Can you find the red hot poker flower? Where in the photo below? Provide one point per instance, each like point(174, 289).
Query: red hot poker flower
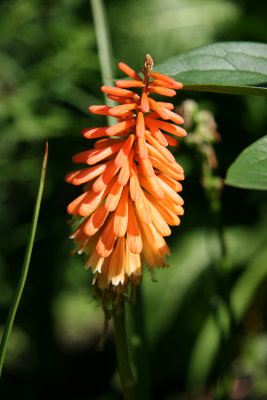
point(130, 187)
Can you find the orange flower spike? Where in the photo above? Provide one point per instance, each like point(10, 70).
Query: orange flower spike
point(124, 151)
point(145, 108)
point(130, 189)
point(152, 185)
point(120, 99)
point(157, 107)
point(95, 262)
point(134, 184)
point(125, 171)
point(93, 156)
point(119, 92)
point(170, 140)
point(157, 75)
point(142, 147)
point(101, 110)
point(168, 106)
point(161, 83)
point(96, 220)
point(128, 84)
point(160, 154)
point(113, 196)
point(172, 170)
point(73, 207)
point(162, 90)
point(134, 239)
point(129, 71)
point(121, 214)
point(121, 109)
point(140, 125)
point(175, 185)
point(142, 209)
point(156, 132)
point(158, 221)
point(167, 80)
point(94, 133)
point(161, 149)
point(146, 166)
point(84, 175)
point(133, 266)
point(91, 202)
point(107, 239)
point(116, 271)
point(106, 177)
point(148, 64)
point(101, 143)
point(174, 117)
point(171, 128)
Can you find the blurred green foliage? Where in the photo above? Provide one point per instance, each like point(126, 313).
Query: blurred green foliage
point(49, 76)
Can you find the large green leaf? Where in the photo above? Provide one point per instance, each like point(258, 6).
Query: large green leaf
point(249, 170)
point(228, 67)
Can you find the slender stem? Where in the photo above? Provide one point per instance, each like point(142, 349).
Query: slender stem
point(126, 376)
point(104, 47)
point(139, 346)
point(25, 266)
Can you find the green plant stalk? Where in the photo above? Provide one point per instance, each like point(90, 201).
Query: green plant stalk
point(25, 266)
point(104, 47)
point(139, 349)
point(126, 376)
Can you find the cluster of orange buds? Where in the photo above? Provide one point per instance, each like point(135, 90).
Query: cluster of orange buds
point(130, 187)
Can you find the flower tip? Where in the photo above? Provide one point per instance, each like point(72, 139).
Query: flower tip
point(182, 132)
point(178, 85)
point(148, 62)
point(121, 65)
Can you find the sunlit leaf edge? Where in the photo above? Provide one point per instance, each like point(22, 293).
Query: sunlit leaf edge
point(225, 67)
point(228, 89)
point(233, 177)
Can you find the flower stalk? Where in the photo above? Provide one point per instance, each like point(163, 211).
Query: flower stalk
point(139, 346)
point(126, 375)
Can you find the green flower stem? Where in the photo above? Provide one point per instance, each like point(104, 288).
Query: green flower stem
point(104, 47)
point(25, 266)
point(139, 349)
point(126, 376)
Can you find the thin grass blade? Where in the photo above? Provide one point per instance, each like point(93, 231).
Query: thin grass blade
point(25, 266)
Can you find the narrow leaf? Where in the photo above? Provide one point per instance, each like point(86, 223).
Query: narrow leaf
point(249, 170)
point(25, 267)
point(227, 67)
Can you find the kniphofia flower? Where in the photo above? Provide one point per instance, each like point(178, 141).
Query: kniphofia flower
point(130, 194)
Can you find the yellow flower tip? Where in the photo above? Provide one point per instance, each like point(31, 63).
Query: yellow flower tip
point(130, 184)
